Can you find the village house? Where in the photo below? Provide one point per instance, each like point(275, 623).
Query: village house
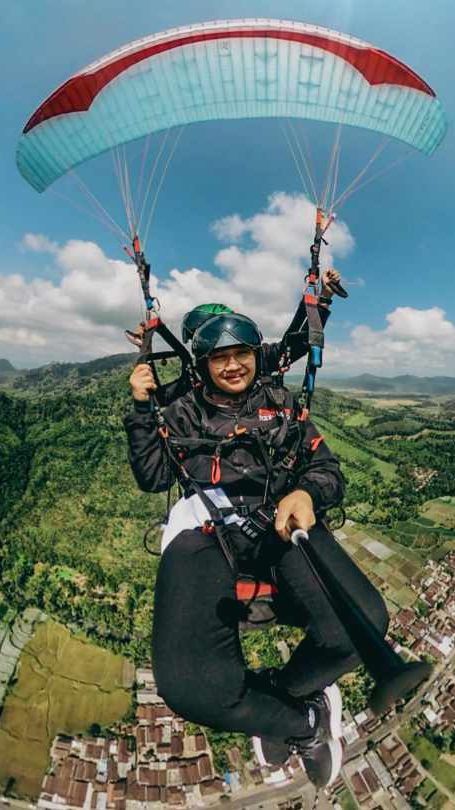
point(150, 761)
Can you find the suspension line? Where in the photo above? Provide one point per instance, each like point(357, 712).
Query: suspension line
point(160, 184)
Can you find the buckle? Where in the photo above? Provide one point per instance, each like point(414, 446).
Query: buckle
point(289, 461)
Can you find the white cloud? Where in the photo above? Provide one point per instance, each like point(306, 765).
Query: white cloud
point(21, 337)
point(268, 270)
point(417, 341)
point(261, 272)
point(230, 228)
point(286, 227)
point(39, 243)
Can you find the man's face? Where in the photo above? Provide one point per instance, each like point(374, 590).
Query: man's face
point(232, 369)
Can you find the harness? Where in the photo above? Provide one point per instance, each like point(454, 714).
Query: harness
point(278, 449)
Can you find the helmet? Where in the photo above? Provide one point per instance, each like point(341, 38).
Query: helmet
point(196, 317)
point(225, 330)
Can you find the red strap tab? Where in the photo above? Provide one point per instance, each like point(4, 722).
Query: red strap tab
point(239, 430)
point(153, 323)
point(310, 299)
point(247, 590)
point(216, 470)
point(314, 444)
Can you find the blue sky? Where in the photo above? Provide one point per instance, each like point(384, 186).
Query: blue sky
point(65, 292)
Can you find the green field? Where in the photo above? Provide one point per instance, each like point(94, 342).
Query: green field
point(431, 797)
point(347, 451)
point(393, 574)
point(346, 800)
point(440, 512)
point(64, 685)
point(430, 758)
point(431, 533)
point(358, 419)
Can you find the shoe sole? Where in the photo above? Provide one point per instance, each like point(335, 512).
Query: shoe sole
point(336, 752)
point(257, 748)
point(334, 702)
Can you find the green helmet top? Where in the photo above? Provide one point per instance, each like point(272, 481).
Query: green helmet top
point(197, 316)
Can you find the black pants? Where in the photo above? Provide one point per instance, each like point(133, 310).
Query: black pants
point(197, 658)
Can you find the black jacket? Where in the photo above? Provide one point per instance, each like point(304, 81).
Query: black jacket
point(200, 437)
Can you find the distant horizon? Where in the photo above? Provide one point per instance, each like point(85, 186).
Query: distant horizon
point(322, 373)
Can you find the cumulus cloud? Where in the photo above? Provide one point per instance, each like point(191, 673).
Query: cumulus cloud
point(417, 341)
point(265, 265)
point(260, 271)
point(286, 227)
point(355, 282)
point(231, 228)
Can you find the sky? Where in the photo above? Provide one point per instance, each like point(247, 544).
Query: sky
point(232, 222)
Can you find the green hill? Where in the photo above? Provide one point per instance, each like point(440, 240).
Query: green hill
point(72, 518)
point(401, 384)
point(7, 372)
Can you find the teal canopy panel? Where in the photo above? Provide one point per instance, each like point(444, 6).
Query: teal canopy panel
point(227, 70)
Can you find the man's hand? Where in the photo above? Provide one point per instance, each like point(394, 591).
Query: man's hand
point(142, 382)
point(295, 511)
point(329, 275)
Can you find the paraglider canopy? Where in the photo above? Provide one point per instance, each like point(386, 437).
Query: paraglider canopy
point(227, 70)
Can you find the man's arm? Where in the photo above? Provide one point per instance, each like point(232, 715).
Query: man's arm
point(321, 477)
point(146, 452)
point(319, 487)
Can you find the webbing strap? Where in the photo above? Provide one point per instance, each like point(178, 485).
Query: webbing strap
point(315, 328)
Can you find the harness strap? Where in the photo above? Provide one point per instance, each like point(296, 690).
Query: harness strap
point(275, 483)
point(217, 520)
point(288, 462)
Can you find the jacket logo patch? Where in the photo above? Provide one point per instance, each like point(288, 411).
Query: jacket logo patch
point(267, 414)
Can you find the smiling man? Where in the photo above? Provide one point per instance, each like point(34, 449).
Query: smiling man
point(252, 469)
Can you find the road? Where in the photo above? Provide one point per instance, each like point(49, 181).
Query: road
point(269, 798)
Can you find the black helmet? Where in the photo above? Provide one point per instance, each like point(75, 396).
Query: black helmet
point(225, 330)
point(197, 316)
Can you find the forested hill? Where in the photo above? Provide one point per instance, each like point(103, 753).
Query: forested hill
point(72, 518)
point(46, 377)
point(7, 371)
point(402, 384)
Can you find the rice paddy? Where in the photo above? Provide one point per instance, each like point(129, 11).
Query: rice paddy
point(64, 685)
